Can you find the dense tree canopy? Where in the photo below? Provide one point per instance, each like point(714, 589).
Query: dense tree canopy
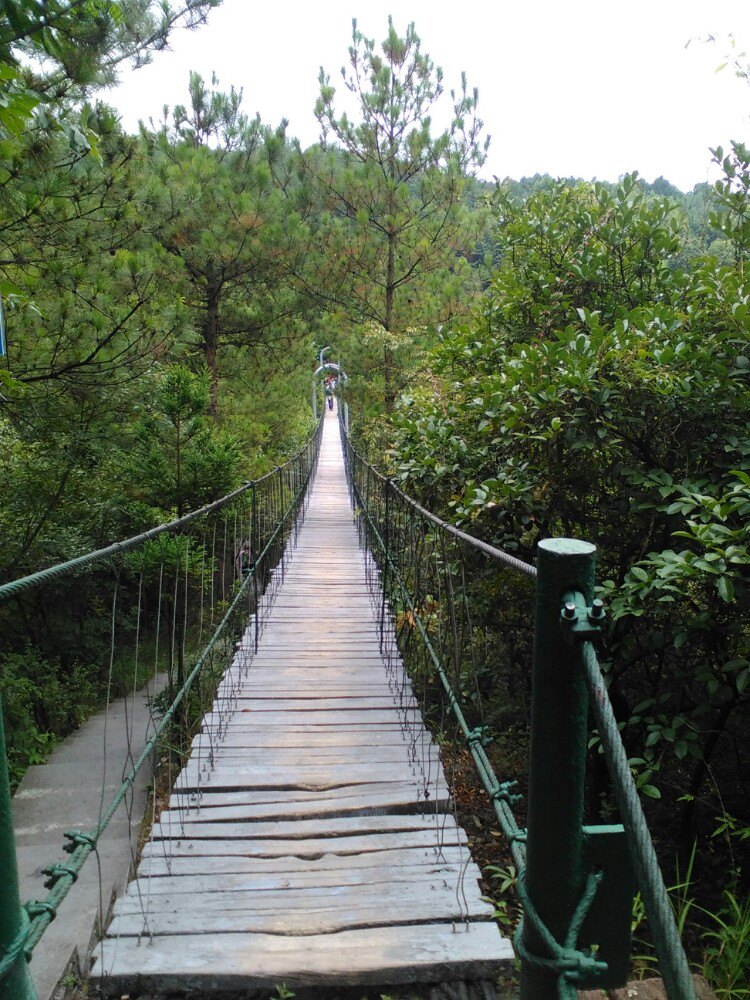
point(221, 203)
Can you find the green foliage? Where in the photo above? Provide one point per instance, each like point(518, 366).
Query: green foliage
point(724, 934)
point(81, 44)
point(183, 459)
point(726, 964)
point(572, 247)
point(732, 217)
point(222, 203)
point(394, 232)
point(601, 392)
point(41, 701)
point(282, 993)
point(683, 907)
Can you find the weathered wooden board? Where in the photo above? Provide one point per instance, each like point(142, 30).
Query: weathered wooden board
point(310, 838)
point(376, 753)
point(300, 921)
point(343, 703)
point(307, 739)
point(304, 848)
point(387, 956)
point(325, 757)
point(243, 896)
point(159, 864)
point(297, 776)
point(262, 882)
point(314, 716)
point(206, 827)
point(401, 799)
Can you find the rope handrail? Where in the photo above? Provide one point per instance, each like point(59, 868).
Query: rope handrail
point(14, 587)
point(491, 550)
point(669, 950)
point(43, 912)
point(558, 955)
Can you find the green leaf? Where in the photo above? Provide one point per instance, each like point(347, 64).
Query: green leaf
point(651, 791)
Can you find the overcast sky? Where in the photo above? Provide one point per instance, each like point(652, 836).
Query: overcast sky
point(588, 88)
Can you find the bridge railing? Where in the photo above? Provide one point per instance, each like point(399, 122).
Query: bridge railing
point(437, 588)
point(169, 604)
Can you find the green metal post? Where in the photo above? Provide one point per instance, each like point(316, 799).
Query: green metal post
point(559, 708)
point(17, 981)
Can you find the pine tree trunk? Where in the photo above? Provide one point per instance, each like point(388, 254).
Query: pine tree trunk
point(389, 389)
point(210, 345)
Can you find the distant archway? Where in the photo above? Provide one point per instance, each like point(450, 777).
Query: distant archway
point(322, 369)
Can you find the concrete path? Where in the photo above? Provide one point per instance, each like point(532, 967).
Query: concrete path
point(66, 794)
point(310, 839)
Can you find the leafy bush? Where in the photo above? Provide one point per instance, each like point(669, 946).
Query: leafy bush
point(602, 393)
point(41, 702)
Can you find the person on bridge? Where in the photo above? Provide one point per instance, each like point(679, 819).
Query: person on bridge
point(330, 401)
point(245, 560)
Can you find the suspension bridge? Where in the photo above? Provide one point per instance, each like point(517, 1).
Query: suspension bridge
point(309, 840)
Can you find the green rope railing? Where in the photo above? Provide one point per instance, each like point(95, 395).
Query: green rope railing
point(36, 915)
point(71, 566)
point(672, 961)
point(547, 958)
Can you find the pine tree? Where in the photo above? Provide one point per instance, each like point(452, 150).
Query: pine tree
point(396, 232)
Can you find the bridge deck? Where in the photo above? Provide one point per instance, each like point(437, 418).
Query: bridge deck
point(308, 854)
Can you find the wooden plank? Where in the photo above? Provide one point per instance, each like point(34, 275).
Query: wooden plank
point(238, 896)
point(301, 921)
point(387, 956)
point(294, 738)
point(242, 716)
point(248, 703)
point(300, 683)
point(209, 797)
point(390, 720)
point(207, 827)
point(261, 882)
point(253, 805)
point(288, 777)
point(158, 864)
point(409, 733)
point(260, 673)
point(376, 753)
point(325, 757)
point(310, 848)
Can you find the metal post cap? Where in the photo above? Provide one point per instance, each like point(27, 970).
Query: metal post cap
point(567, 547)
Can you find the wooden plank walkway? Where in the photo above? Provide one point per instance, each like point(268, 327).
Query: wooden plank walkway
point(308, 853)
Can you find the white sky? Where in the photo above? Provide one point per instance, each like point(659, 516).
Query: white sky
point(589, 88)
